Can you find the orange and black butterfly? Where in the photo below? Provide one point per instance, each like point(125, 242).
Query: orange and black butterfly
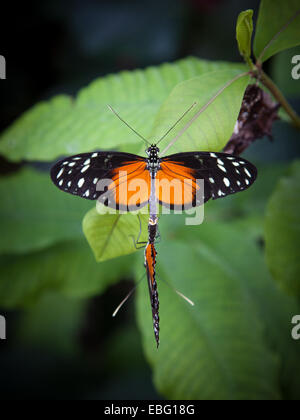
point(110, 177)
point(222, 174)
point(113, 177)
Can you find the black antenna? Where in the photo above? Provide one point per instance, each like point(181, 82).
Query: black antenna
point(170, 129)
point(138, 134)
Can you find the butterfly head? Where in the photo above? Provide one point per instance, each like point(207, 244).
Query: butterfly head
point(153, 158)
point(152, 151)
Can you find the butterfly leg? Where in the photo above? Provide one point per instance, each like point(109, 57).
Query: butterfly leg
point(137, 243)
point(158, 237)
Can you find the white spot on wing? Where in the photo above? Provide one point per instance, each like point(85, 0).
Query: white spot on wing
point(85, 168)
point(213, 155)
point(220, 162)
point(61, 182)
point(226, 182)
point(80, 182)
point(247, 172)
point(212, 180)
point(72, 164)
point(60, 173)
point(236, 163)
point(94, 155)
point(87, 162)
point(222, 168)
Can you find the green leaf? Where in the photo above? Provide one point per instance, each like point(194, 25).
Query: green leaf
point(35, 214)
point(217, 349)
point(65, 126)
point(244, 30)
point(113, 235)
point(52, 330)
point(277, 28)
point(213, 127)
point(282, 231)
point(69, 268)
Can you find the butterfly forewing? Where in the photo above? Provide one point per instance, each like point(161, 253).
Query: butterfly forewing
point(222, 174)
point(123, 181)
point(94, 175)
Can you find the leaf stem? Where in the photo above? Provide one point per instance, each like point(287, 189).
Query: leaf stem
point(266, 81)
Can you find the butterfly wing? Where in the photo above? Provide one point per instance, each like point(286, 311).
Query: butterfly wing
point(222, 174)
point(107, 176)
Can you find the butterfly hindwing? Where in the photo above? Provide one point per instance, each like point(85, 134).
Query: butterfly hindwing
point(222, 174)
point(97, 175)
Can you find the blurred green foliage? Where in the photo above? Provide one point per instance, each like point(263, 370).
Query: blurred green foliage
point(282, 227)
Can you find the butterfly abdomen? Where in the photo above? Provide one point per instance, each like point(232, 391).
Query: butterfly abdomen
point(155, 311)
point(150, 263)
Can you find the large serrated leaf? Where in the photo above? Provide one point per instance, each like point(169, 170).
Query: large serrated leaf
point(34, 214)
point(235, 342)
point(216, 349)
point(65, 126)
point(282, 230)
point(211, 129)
point(277, 28)
point(113, 235)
